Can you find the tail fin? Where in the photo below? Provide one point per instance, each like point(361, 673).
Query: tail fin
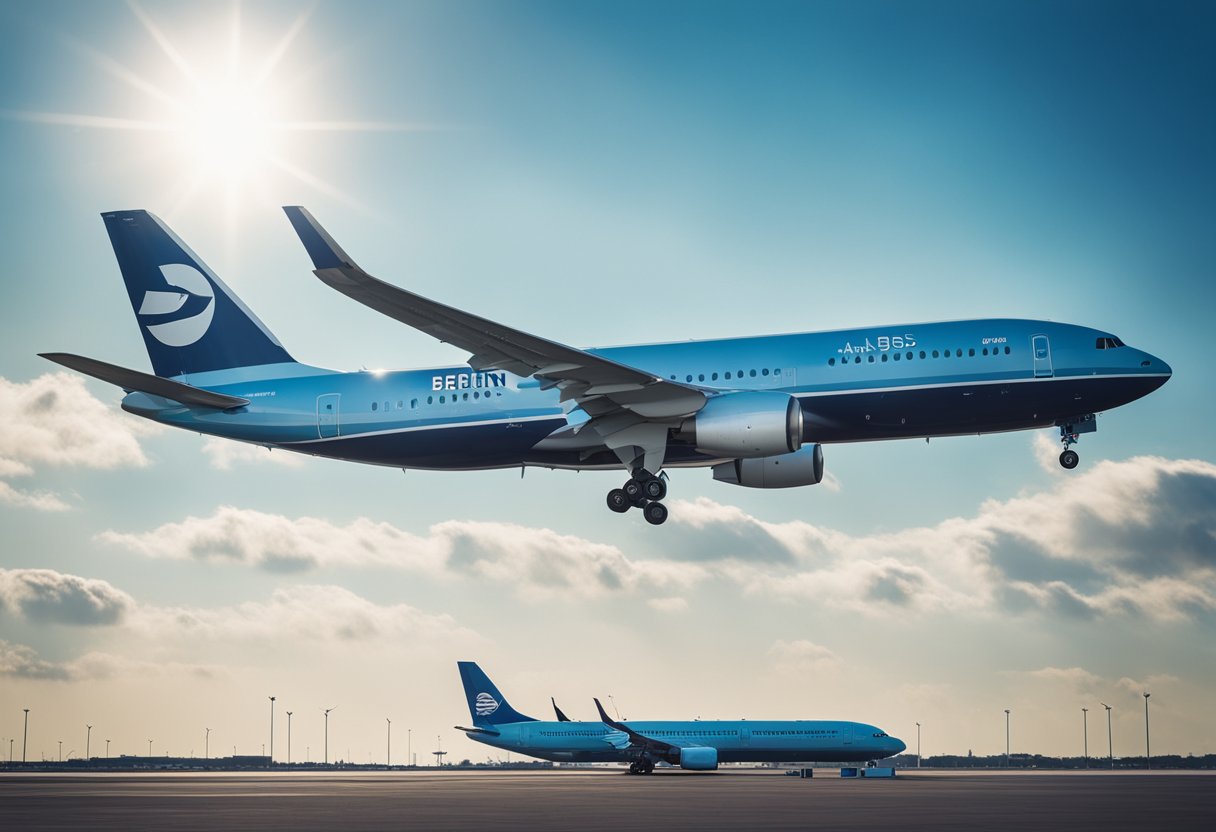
point(191, 321)
point(487, 705)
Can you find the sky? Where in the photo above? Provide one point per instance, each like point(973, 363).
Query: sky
point(608, 173)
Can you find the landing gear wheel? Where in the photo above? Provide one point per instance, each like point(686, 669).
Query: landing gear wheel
point(654, 489)
point(1069, 459)
point(619, 501)
point(655, 514)
point(648, 767)
point(635, 768)
point(633, 490)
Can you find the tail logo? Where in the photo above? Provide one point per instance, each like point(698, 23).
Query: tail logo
point(485, 704)
point(178, 319)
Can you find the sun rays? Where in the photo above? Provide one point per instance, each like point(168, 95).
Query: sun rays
point(229, 118)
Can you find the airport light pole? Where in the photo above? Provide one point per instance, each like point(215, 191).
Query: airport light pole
point(87, 737)
point(25, 734)
point(61, 751)
point(10, 750)
point(149, 748)
point(272, 730)
point(409, 746)
point(207, 744)
point(107, 749)
point(1006, 738)
point(327, 710)
point(1148, 754)
point(1085, 733)
point(289, 738)
point(918, 745)
point(1110, 742)
point(388, 751)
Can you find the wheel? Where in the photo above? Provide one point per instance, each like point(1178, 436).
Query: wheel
point(648, 767)
point(634, 768)
point(1069, 459)
point(655, 489)
point(633, 490)
point(619, 501)
point(655, 513)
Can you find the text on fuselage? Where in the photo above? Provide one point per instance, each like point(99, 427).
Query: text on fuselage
point(464, 381)
point(880, 343)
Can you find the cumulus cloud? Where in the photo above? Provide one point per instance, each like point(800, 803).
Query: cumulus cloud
point(49, 597)
point(1134, 537)
point(802, 657)
point(537, 562)
point(54, 420)
point(17, 661)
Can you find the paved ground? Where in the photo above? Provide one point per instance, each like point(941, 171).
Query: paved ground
point(599, 799)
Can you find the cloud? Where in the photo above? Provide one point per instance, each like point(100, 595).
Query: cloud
point(224, 453)
point(537, 562)
point(1136, 537)
point(671, 605)
point(17, 661)
point(802, 658)
point(54, 420)
point(49, 597)
point(313, 613)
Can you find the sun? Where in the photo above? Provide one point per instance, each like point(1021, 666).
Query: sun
point(229, 127)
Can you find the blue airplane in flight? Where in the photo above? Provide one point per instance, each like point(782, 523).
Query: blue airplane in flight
point(699, 745)
point(756, 410)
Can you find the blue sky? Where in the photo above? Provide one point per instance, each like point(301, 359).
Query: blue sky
point(603, 174)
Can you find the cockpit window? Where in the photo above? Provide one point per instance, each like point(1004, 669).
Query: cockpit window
point(1108, 343)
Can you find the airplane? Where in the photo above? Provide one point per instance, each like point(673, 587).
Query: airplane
point(696, 745)
point(757, 411)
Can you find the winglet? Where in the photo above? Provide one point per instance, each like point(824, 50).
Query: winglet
point(604, 718)
point(325, 253)
point(561, 717)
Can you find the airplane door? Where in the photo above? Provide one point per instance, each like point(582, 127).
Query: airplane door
point(327, 415)
point(847, 737)
point(1040, 348)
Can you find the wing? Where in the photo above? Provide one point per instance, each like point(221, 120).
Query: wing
point(622, 737)
point(561, 717)
point(630, 409)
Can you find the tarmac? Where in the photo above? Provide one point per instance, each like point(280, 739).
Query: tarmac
point(607, 799)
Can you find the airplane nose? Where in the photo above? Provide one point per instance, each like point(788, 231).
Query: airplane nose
point(900, 746)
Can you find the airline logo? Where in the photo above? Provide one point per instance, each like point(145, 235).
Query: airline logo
point(485, 704)
point(178, 319)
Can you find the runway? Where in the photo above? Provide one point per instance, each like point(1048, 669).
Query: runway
point(609, 800)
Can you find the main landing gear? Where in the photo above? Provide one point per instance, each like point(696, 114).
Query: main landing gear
point(643, 490)
point(643, 766)
point(1068, 458)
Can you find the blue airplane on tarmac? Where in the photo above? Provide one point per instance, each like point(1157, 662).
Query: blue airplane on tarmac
point(699, 745)
point(757, 410)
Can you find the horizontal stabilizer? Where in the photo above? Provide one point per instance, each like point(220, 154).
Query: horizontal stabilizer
point(487, 731)
point(145, 383)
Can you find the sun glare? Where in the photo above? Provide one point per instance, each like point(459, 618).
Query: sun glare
point(228, 132)
point(227, 124)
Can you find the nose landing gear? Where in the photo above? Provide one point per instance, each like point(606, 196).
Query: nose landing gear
point(643, 490)
point(1070, 429)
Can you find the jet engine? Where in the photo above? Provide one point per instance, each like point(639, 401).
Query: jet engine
point(803, 467)
point(699, 758)
point(747, 424)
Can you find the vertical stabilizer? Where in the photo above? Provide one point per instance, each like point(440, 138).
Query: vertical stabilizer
point(487, 705)
point(191, 322)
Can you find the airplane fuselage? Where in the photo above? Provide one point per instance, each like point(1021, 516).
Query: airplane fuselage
point(737, 741)
point(889, 382)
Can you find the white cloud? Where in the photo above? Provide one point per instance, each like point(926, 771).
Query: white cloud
point(49, 597)
point(17, 661)
point(54, 420)
point(802, 658)
point(670, 605)
point(537, 562)
point(224, 453)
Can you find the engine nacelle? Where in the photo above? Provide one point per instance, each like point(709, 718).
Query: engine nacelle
point(747, 424)
point(803, 467)
point(699, 758)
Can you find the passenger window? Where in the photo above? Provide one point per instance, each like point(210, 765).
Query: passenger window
point(764, 372)
point(958, 353)
point(971, 353)
point(413, 404)
point(909, 355)
point(373, 406)
point(752, 374)
point(922, 353)
point(831, 363)
point(400, 404)
point(430, 399)
point(871, 358)
point(714, 377)
point(935, 353)
point(728, 373)
point(898, 356)
point(857, 360)
point(701, 377)
point(884, 357)
point(476, 394)
point(442, 400)
point(466, 397)
point(1006, 350)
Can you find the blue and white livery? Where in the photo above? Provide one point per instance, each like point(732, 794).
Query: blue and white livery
point(699, 745)
point(757, 411)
